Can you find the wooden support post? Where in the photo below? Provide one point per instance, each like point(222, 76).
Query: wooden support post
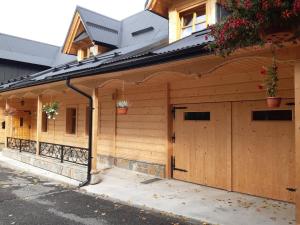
point(38, 123)
point(168, 131)
point(114, 102)
point(297, 138)
point(95, 129)
point(7, 124)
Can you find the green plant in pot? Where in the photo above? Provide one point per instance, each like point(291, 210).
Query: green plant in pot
point(51, 109)
point(122, 107)
point(270, 84)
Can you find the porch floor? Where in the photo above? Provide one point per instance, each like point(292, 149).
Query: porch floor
point(193, 201)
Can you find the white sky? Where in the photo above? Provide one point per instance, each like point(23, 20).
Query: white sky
point(49, 20)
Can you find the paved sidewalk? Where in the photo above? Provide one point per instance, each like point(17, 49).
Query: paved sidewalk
point(188, 200)
point(26, 199)
point(193, 201)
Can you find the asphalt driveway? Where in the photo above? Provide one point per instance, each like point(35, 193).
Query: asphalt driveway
point(28, 200)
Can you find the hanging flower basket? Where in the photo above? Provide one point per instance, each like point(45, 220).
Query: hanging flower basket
point(51, 110)
point(271, 85)
point(273, 102)
point(122, 107)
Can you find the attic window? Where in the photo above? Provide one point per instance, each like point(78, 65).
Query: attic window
point(142, 31)
point(193, 20)
point(102, 27)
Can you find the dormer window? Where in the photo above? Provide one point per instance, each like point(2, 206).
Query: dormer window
point(193, 20)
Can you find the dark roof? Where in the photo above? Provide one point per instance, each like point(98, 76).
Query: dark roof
point(139, 55)
point(144, 26)
point(33, 52)
point(100, 28)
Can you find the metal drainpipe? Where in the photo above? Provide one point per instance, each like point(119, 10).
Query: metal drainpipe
point(90, 130)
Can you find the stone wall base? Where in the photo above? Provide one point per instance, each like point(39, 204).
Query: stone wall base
point(138, 166)
point(2, 146)
point(76, 172)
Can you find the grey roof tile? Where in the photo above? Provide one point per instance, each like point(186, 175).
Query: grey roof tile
point(28, 51)
point(123, 56)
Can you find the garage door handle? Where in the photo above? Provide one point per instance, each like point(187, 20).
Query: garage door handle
point(181, 170)
point(292, 189)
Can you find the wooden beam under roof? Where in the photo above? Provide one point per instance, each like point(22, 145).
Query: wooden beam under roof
point(160, 7)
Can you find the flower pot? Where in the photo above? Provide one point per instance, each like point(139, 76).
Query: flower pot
point(273, 102)
point(278, 35)
point(122, 111)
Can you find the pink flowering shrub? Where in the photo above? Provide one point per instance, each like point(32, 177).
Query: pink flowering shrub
point(248, 18)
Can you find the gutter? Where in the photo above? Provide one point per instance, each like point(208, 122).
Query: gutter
point(90, 99)
point(194, 51)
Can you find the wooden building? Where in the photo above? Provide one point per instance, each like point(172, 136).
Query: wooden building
point(21, 57)
point(192, 116)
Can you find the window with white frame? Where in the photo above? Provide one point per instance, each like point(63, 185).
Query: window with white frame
point(193, 20)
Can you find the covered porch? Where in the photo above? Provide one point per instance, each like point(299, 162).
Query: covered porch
point(26, 136)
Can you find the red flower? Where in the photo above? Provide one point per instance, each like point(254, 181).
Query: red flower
point(263, 71)
point(286, 14)
point(265, 4)
point(260, 86)
point(278, 3)
point(296, 7)
point(260, 17)
point(248, 4)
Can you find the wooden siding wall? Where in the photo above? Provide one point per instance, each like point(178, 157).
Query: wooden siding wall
point(11, 69)
point(106, 137)
point(223, 86)
point(139, 135)
point(57, 128)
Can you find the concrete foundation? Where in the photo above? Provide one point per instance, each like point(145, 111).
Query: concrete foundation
point(137, 166)
point(76, 172)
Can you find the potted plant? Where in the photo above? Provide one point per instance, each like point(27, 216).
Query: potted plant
point(51, 109)
point(122, 107)
point(252, 22)
point(271, 85)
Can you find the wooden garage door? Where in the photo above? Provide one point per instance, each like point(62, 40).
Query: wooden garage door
point(263, 150)
point(202, 144)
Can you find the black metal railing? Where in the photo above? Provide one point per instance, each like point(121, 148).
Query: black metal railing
point(64, 153)
point(22, 145)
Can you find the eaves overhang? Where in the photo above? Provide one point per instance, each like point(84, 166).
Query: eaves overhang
point(149, 59)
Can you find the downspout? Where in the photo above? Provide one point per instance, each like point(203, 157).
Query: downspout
point(90, 130)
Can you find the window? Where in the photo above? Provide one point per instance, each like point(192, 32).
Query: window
point(3, 125)
point(44, 122)
point(193, 20)
point(71, 120)
point(87, 118)
point(272, 115)
point(197, 116)
point(222, 13)
point(21, 121)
